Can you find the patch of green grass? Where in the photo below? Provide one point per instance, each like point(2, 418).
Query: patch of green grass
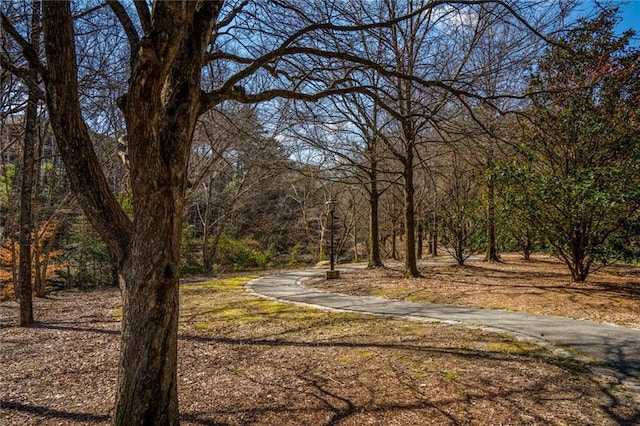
point(222, 301)
point(117, 313)
point(219, 284)
point(513, 347)
point(451, 374)
point(203, 325)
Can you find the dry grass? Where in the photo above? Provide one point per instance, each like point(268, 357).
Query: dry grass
point(541, 285)
point(248, 361)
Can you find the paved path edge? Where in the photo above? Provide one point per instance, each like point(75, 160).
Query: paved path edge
point(289, 287)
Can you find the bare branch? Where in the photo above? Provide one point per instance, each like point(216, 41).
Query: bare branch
point(26, 75)
point(144, 15)
point(28, 50)
point(127, 24)
point(72, 136)
point(89, 11)
point(231, 16)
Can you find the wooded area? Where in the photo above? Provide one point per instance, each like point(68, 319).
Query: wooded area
point(144, 141)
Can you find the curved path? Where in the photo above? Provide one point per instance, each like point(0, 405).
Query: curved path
point(615, 345)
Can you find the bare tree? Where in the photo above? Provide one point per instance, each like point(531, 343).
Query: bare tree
point(347, 131)
point(265, 50)
point(29, 72)
point(160, 108)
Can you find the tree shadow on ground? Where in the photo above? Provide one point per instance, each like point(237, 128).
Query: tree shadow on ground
point(315, 392)
point(273, 367)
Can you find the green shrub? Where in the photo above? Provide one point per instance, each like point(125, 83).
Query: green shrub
point(237, 255)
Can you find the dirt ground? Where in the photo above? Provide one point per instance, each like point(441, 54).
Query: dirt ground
point(541, 285)
point(249, 361)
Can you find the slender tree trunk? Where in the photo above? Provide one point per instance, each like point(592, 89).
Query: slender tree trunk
point(492, 249)
point(207, 258)
point(526, 247)
point(43, 254)
point(37, 257)
point(26, 190)
point(375, 260)
point(394, 249)
point(420, 240)
point(355, 240)
point(460, 251)
point(26, 213)
point(434, 236)
point(411, 266)
point(213, 250)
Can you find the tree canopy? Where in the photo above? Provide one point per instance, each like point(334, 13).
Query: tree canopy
point(580, 151)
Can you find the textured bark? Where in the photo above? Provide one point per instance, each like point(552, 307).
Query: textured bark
point(26, 214)
point(375, 260)
point(410, 262)
point(25, 237)
point(160, 110)
point(579, 262)
point(434, 244)
point(82, 165)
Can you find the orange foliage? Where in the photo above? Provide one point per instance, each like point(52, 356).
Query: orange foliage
point(43, 239)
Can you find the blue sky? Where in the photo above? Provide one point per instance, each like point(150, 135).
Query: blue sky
point(630, 12)
point(631, 16)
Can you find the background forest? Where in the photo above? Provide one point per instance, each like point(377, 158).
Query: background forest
point(412, 174)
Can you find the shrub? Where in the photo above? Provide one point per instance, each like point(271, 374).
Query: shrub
point(237, 255)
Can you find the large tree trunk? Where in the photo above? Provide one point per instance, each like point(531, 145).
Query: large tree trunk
point(160, 110)
point(26, 213)
point(147, 392)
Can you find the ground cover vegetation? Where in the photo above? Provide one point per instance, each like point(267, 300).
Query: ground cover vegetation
point(141, 141)
point(244, 360)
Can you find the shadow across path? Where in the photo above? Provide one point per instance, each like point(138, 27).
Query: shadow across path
point(614, 345)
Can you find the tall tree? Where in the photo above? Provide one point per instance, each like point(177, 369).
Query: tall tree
point(582, 147)
point(348, 130)
point(260, 50)
point(29, 72)
point(161, 106)
point(26, 212)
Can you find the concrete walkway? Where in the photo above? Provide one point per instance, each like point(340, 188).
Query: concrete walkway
point(615, 345)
